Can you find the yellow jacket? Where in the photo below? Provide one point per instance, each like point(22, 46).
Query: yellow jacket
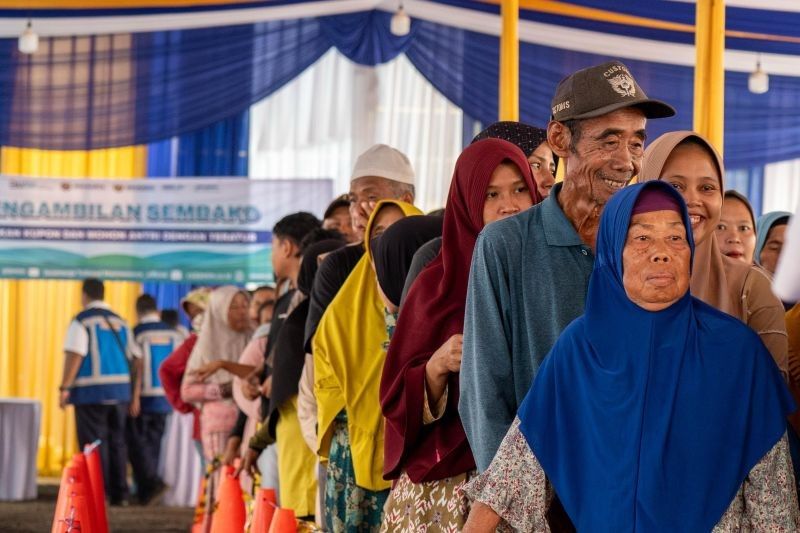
point(348, 362)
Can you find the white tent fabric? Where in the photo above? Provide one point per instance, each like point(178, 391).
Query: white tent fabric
point(351, 108)
point(19, 435)
point(179, 465)
point(787, 282)
point(781, 186)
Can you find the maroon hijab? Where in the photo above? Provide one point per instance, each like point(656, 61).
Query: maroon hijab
point(433, 312)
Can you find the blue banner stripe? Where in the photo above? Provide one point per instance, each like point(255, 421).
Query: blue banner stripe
point(142, 235)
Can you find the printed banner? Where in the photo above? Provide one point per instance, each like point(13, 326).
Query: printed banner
point(194, 230)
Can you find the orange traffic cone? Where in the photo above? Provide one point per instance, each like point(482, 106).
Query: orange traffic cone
point(88, 494)
point(231, 515)
point(72, 510)
point(80, 517)
point(264, 510)
point(62, 503)
point(283, 522)
point(95, 468)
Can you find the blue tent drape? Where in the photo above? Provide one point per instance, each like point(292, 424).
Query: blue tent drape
point(739, 19)
point(80, 93)
point(458, 63)
point(365, 37)
point(463, 65)
point(749, 182)
point(100, 91)
point(219, 150)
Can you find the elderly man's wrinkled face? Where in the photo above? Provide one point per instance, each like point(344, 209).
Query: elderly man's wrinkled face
point(656, 260)
point(608, 154)
point(364, 194)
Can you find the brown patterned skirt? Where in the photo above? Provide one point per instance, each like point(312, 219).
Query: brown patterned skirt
point(431, 506)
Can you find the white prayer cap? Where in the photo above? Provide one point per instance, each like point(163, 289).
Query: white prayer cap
point(384, 162)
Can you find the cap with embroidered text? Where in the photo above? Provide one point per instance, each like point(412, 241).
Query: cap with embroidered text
point(601, 89)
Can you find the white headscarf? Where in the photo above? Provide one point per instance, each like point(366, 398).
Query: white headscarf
point(216, 339)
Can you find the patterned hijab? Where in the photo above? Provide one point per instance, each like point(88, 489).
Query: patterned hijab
point(527, 138)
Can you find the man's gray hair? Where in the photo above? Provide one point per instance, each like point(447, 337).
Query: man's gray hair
point(575, 127)
point(401, 189)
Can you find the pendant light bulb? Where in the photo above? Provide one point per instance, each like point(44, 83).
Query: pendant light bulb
point(401, 22)
point(28, 41)
point(758, 82)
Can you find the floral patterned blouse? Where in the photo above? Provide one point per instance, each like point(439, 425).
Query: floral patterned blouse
point(766, 500)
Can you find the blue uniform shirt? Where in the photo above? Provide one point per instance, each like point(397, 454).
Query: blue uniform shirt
point(156, 341)
point(529, 280)
point(104, 374)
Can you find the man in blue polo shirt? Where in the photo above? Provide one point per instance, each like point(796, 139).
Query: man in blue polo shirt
point(97, 381)
point(530, 272)
point(155, 340)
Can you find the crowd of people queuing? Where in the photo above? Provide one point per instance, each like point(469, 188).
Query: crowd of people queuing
point(593, 354)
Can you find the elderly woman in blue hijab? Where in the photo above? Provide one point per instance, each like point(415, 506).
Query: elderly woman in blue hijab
point(653, 411)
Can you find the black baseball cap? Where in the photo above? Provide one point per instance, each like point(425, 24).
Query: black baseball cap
point(601, 89)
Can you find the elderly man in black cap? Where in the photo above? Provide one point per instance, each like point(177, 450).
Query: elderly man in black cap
point(530, 272)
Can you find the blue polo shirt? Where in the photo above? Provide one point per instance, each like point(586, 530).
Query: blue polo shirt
point(529, 279)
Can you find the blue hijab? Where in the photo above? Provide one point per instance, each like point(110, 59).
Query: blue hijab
point(650, 421)
point(764, 224)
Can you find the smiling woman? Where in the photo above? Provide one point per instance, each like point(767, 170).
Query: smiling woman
point(689, 163)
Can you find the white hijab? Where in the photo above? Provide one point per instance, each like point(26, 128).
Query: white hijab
point(216, 339)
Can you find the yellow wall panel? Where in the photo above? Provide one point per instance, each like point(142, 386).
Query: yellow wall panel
point(34, 314)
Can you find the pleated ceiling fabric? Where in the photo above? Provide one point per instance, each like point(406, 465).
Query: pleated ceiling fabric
point(88, 92)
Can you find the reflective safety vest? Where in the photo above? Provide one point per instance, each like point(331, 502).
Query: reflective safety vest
point(157, 341)
point(104, 375)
